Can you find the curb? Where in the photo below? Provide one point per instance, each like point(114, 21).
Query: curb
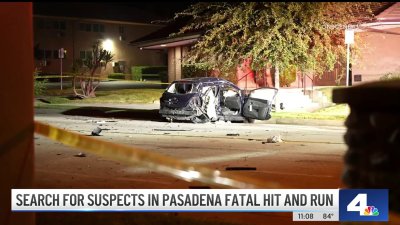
point(297, 121)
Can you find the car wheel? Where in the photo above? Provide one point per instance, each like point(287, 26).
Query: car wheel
point(249, 120)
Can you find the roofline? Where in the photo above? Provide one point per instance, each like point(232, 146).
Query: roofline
point(159, 41)
point(365, 26)
point(97, 20)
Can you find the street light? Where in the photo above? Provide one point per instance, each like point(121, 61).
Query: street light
point(108, 45)
point(348, 40)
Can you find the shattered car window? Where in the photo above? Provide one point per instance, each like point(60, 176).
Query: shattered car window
point(181, 88)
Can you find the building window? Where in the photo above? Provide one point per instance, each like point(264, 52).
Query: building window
point(88, 27)
point(47, 54)
point(82, 27)
point(88, 54)
point(95, 27)
point(56, 25)
point(121, 29)
point(82, 54)
point(53, 24)
point(85, 54)
point(55, 54)
point(40, 24)
point(62, 25)
point(48, 24)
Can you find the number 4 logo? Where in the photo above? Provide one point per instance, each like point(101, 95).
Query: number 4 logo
point(359, 204)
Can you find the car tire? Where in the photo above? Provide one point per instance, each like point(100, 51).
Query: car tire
point(249, 120)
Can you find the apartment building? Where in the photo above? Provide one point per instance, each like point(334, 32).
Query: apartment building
point(77, 36)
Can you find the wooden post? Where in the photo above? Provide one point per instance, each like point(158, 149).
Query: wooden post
point(16, 99)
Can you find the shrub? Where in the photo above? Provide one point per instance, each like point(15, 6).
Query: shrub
point(153, 69)
point(139, 71)
point(391, 76)
point(39, 85)
point(194, 70)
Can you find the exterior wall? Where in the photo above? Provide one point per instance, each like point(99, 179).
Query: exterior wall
point(380, 55)
point(75, 40)
point(329, 78)
point(245, 76)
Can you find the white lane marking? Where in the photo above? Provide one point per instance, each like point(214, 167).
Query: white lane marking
point(222, 158)
point(210, 159)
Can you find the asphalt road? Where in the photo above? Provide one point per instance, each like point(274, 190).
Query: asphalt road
point(308, 157)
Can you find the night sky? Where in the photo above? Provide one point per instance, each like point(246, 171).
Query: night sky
point(123, 11)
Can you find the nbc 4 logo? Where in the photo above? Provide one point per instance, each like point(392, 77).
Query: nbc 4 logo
point(359, 204)
point(363, 205)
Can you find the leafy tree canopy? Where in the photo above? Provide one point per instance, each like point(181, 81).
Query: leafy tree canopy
point(308, 35)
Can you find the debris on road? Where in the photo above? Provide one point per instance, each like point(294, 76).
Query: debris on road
point(80, 155)
point(273, 139)
point(240, 168)
point(232, 134)
point(199, 187)
point(96, 131)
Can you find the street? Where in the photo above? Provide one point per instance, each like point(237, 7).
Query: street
point(309, 156)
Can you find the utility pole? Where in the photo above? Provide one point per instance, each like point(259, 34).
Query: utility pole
point(348, 40)
point(61, 52)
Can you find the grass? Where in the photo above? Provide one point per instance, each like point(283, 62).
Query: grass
point(336, 112)
point(115, 96)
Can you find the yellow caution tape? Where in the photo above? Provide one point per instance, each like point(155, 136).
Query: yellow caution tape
point(154, 161)
point(97, 78)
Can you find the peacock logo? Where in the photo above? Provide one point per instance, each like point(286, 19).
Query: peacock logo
point(371, 211)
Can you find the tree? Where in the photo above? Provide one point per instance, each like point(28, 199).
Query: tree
point(308, 35)
point(87, 68)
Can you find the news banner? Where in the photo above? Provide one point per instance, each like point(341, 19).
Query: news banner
point(306, 204)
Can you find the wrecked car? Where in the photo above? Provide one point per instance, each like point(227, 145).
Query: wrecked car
point(211, 99)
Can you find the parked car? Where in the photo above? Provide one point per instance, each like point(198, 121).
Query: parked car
point(210, 99)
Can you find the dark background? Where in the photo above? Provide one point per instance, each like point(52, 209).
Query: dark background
point(145, 12)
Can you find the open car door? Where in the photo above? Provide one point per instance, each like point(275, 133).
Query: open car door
point(259, 103)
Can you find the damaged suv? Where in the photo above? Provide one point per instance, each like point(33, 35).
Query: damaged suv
point(211, 99)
